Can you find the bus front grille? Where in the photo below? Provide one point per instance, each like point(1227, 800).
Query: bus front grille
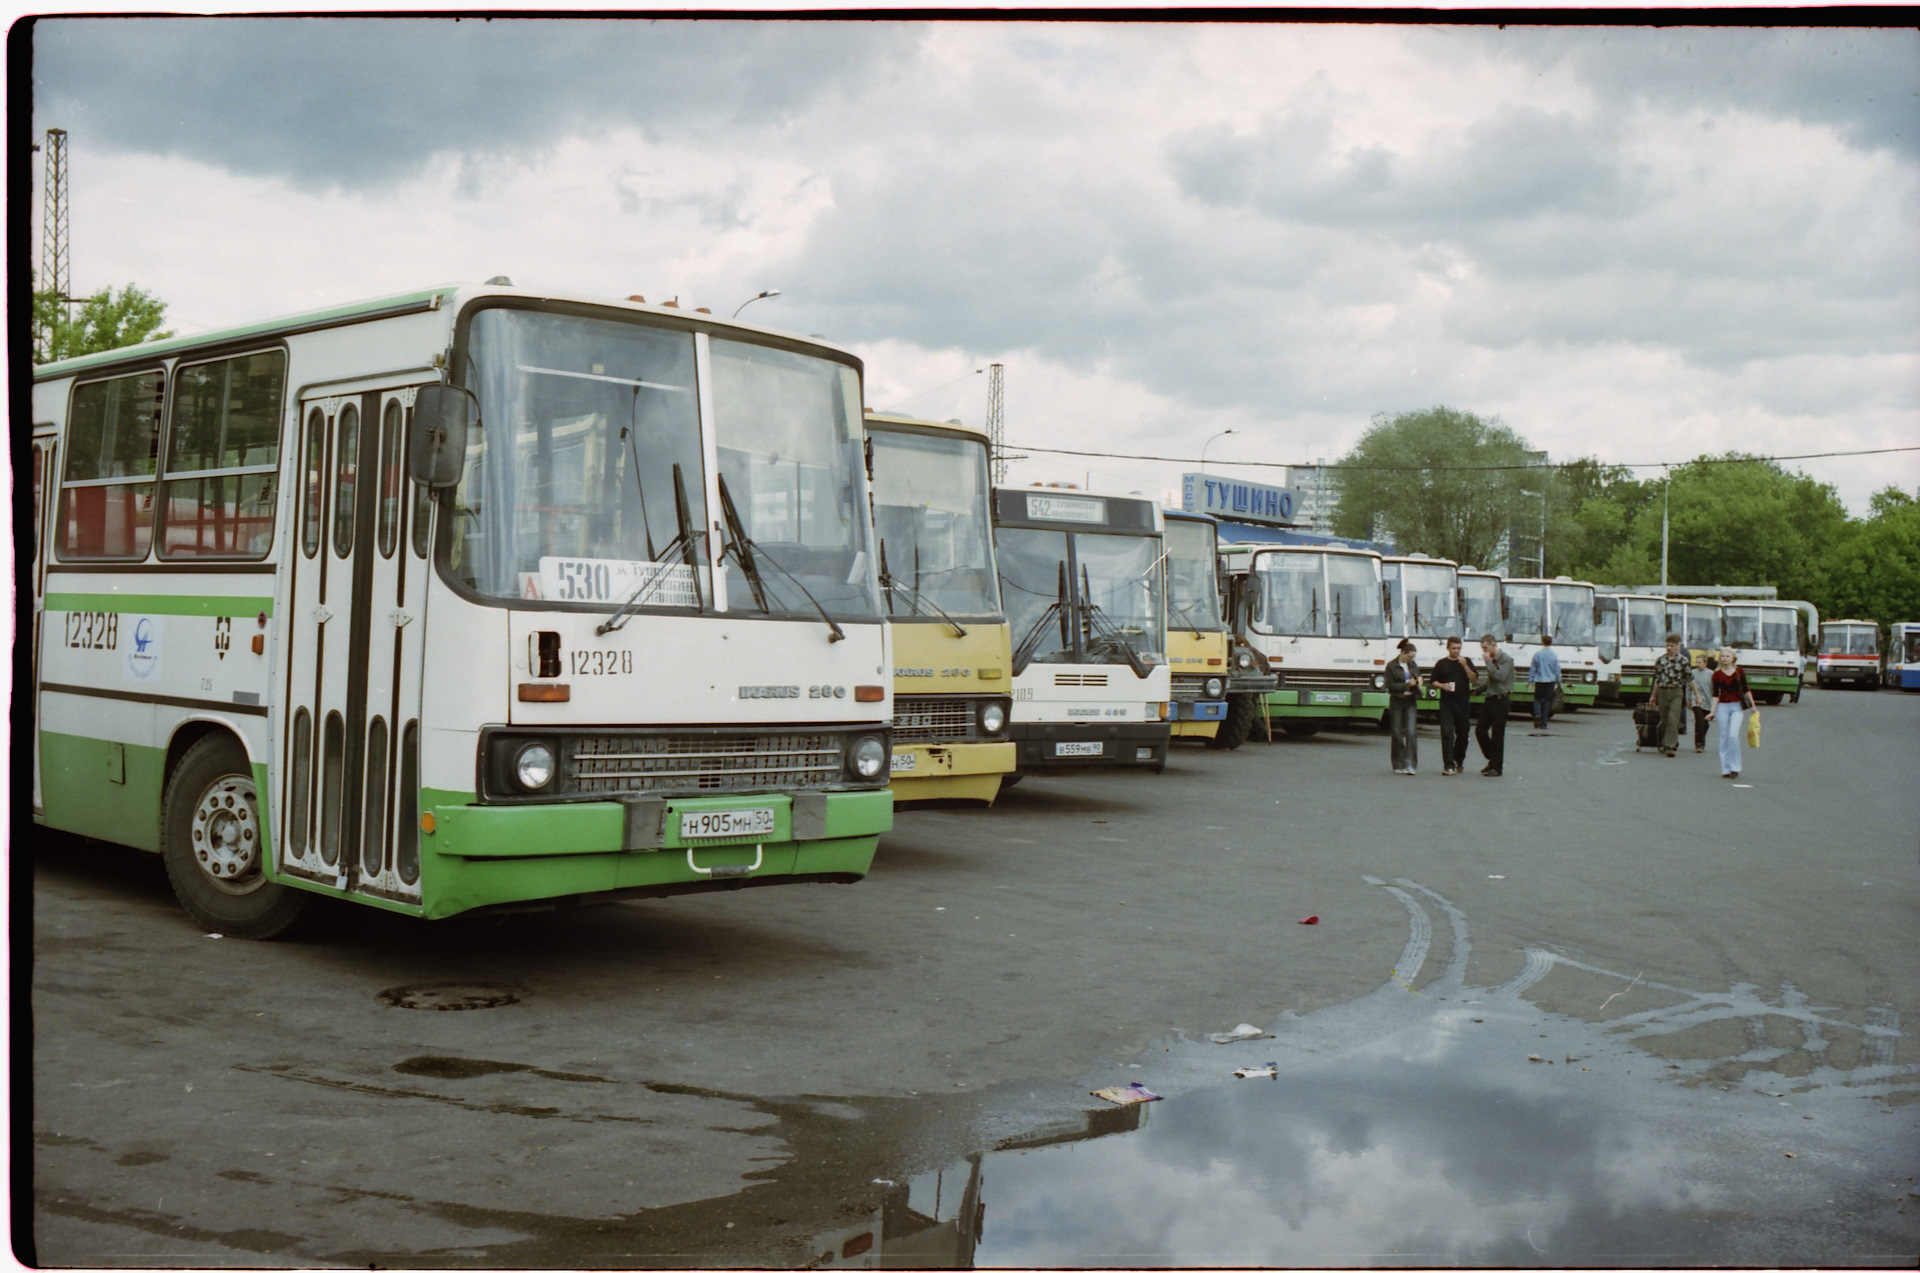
point(1094, 680)
point(1187, 687)
point(929, 720)
point(612, 764)
point(1327, 680)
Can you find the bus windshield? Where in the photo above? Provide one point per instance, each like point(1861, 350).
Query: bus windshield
point(1780, 629)
point(1849, 638)
point(585, 480)
point(1912, 654)
point(1703, 628)
point(1482, 597)
point(1742, 626)
point(1430, 604)
point(1646, 621)
point(1572, 614)
point(1120, 576)
point(1354, 605)
point(1111, 595)
point(1193, 595)
point(1033, 576)
point(930, 510)
point(1606, 630)
point(1526, 611)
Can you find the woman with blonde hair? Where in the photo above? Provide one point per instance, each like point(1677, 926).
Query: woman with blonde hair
point(1732, 702)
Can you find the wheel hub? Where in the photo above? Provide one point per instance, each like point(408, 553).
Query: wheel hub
point(226, 835)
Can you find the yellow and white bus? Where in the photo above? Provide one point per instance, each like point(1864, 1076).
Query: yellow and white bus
point(1083, 580)
point(468, 597)
point(1196, 634)
point(952, 692)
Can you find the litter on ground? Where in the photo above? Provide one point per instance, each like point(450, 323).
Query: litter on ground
point(1239, 1032)
point(1271, 1070)
point(1131, 1094)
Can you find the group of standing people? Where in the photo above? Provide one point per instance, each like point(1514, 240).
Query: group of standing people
point(1715, 689)
point(1456, 679)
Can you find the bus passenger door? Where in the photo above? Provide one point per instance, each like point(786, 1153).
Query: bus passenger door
point(350, 767)
point(45, 484)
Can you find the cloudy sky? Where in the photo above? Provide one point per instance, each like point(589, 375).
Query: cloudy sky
point(1636, 244)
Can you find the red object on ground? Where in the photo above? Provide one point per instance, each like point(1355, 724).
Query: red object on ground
point(1311, 919)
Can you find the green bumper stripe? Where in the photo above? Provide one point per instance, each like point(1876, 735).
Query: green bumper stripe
point(149, 603)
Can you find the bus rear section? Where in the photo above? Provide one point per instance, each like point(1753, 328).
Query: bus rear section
point(1903, 656)
point(1767, 636)
point(1849, 654)
point(952, 688)
point(591, 613)
point(1197, 646)
point(1317, 618)
point(1082, 578)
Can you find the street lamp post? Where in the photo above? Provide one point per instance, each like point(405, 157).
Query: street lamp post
point(1209, 442)
point(1666, 488)
point(770, 292)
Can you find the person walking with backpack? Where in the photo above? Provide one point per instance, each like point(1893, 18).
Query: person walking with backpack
point(1543, 674)
point(1733, 700)
point(1670, 686)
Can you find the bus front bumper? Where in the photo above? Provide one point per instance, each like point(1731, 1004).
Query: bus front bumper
point(1055, 745)
point(950, 771)
point(1328, 704)
point(485, 855)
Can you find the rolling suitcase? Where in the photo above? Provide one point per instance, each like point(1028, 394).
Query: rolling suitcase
point(1646, 726)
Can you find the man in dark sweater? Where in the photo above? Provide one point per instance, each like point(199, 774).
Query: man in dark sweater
point(1454, 676)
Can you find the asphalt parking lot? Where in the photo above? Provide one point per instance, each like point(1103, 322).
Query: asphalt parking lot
point(744, 1078)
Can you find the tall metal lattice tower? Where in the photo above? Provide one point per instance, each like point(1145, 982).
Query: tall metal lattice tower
point(56, 249)
point(997, 422)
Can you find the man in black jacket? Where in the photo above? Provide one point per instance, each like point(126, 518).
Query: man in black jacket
point(1453, 676)
point(1403, 709)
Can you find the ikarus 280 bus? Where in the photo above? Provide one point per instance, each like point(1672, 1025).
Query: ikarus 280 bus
point(1701, 625)
point(1769, 639)
point(1643, 639)
point(1317, 616)
point(1423, 606)
point(1564, 608)
point(1082, 577)
point(1196, 634)
point(469, 597)
point(1849, 653)
point(952, 692)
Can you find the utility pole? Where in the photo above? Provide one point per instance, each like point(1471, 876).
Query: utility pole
point(997, 424)
point(1666, 488)
point(56, 252)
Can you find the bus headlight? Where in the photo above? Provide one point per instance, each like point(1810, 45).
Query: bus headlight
point(867, 758)
point(1591, 678)
point(1379, 680)
point(533, 766)
point(1215, 687)
point(1243, 660)
point(993, 718)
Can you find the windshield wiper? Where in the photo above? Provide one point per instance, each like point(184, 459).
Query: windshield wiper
point(915, 601)
point(1029, 642)
point(1097, 621)
point(1181, 611)
point(684, 544)
point(742, 548)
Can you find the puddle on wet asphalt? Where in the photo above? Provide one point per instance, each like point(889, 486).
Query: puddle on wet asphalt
point(1438, 1126)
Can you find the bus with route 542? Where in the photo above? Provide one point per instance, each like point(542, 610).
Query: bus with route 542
point(469, 597)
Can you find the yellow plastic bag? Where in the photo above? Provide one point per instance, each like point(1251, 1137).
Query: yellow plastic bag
point(1753, 728)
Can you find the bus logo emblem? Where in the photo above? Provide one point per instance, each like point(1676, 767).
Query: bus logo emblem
point(143, 660)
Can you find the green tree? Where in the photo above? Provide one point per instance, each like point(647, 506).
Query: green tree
point(106, 320)
point(1733, 519)
point(1433, 480)
point(1590, 506)
point(1875, 574)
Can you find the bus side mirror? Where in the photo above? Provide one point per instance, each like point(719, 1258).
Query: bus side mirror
point(437, 450)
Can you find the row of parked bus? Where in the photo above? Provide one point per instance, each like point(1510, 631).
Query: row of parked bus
point(476, 597)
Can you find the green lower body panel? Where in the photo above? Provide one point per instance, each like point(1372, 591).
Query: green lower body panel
point(1782, 683)
point(109, 791)
point(1359, 705)
point(492, 855)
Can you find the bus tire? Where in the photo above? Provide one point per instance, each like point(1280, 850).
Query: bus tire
point(1241, 710)
point(1011, 780)
point(213, 845)
point(1299, 728)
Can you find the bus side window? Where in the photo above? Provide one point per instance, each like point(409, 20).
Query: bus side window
point(223, 457)
point(422, 511)
point(314, 475)
point(346, 471)
point(113, 449)
point(389, 478)
point(39, 506)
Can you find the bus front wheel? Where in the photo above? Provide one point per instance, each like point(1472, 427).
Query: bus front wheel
point(213, 844)
point(1242, 709)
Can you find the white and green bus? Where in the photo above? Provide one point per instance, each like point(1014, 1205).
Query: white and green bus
point(1317, 618)
point(471, 597)
point(1769, 636)
point(1643, 639)
point(1423, 606)
point(1563, 607)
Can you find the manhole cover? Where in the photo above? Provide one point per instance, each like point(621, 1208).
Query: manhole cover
point(459, 996)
